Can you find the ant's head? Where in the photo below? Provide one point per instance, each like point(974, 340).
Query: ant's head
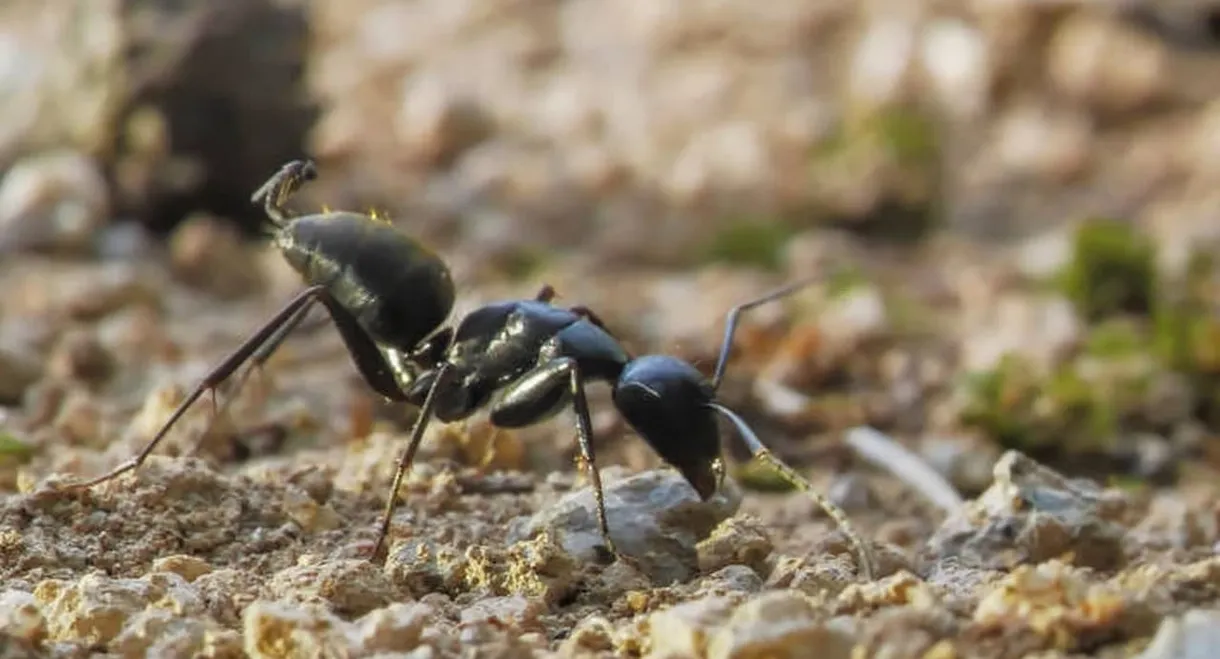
point(669, 403)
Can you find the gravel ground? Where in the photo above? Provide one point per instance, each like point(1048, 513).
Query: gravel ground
point(247, 533)
point(1005, 373)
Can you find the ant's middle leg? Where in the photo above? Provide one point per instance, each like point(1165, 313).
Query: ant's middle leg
point(405, 461)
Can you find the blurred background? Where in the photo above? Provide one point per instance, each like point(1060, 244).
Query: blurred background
point(1012, 206)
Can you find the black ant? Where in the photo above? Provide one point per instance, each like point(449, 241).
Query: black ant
point(533, 357)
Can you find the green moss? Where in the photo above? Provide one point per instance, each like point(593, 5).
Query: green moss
point(912, 317)
point(523, 263)
point(1021, 410)
point(1173, 331)
point(1078, 410)
point(1187, 340)
point(1143, 326)
point(1112, 270)
point(1200, 268)
point(1186, 333)
point(748, 241)
point(1128, 483)
point(906, 136)
point(890, 157)
point(13, 451)
point(998, 402)
point(909, 136)
point(844, 280)
point(1117, 338)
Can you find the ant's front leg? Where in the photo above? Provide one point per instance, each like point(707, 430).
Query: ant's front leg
point(539, 395)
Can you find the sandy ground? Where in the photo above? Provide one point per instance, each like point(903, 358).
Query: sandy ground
point(251, 539)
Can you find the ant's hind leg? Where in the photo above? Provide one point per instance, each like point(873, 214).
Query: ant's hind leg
point(261, 356)
point(537, 396)
point(213, 379)
point(404, 463)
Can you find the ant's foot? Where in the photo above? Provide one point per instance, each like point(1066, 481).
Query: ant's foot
point(376, 555)
point(606, 554)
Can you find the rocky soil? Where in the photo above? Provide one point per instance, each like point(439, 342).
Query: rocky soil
point(1005, 371)
point(247, 534)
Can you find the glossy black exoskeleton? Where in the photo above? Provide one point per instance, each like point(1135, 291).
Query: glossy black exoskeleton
point(386, 293)
point(526, 360)
point(522, 360)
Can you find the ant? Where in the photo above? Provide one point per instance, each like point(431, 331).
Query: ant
point(533, 357)
point(538, 358)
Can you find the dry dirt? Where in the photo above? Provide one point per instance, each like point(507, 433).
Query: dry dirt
point(256, 544)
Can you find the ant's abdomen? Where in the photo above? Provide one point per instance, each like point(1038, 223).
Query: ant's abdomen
point(397, 289)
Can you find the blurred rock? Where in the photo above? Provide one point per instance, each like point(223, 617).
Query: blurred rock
point(507, 122)
point(124, 240)
point(881, 63)
point(20, 617)
point(736, 542)
point(607, 151)
point(1052, 144)
point(655, 518)
point(965, 461)
point(1039, 258)
point(81, 357)
point(54, 201)
point(684, 630)
point(1045, 330)
point(61, 78)
point(779, 625)
point(173, 100)
point(94, 609)
point(1060, 603)
point(275, 630)
point(957, 63)
point(348, 589)
point(209, 254)
point(19, 369)
point(187, 567)
point(1193, 635)
point(1032, 514)
point(395, 628)
point(1110, 66)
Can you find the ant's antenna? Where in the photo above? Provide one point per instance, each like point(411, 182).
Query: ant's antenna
point(868, 562)
point(730, 326)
